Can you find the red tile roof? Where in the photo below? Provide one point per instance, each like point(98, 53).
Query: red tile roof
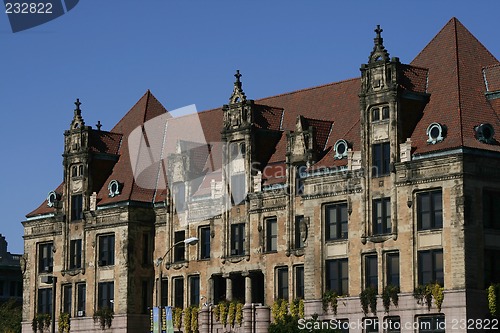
point(455, 59)
point(453, 69)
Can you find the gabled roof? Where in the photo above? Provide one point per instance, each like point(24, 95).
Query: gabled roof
point(455, 60)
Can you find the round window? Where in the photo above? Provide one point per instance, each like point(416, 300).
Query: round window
point(340, 148)
point(114, 188)
point(435, 132)
point(485, 133)
point(51, 199)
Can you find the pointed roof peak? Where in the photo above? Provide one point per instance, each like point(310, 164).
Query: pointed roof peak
point(238, 95)
point(379, 53)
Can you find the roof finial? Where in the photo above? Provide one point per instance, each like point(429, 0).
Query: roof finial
point(98, 125)
point(77, 110)
point(379, 52)
point(237, 76)
point(238, 94)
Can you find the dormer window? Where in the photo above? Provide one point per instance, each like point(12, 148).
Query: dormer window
point(485, 133)
point(114, 188)
point(435, 132)
point(52, 199)
point(340, 148)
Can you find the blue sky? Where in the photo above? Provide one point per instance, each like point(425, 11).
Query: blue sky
point(109, 52)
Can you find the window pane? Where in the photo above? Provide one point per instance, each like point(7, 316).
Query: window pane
point(179, 250)
point(299, 282)
point(438, 267)
point(282, 275)
point(194, 290)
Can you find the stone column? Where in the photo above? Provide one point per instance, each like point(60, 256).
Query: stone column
point(248, 323)
point(210, 291)
point(229, 286)
point(262, 319)
point(203, 317)
point(248, 287)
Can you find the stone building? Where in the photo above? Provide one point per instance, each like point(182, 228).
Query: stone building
point(387, 179)
point(11, 279)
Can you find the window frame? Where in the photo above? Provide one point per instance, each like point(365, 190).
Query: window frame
point(75, 254)
point(433, 219)
point(76, 207)
point(106, 249)
point(342, 268)
point(389, 323)
point(381, 223)
point(389, 268)
point(178, 296)
point(282, 283)
point(381, 159)
point(299, 281)
point(46, 248)
point(434, 319)
point(179, 249)
point(106, 295)
point(271, 224)
point(237, 239)
point(491, 201)
point(338, 224)
point(298, 240)
point(194, 290)
point(81, 298)
point(371, 270)
point(67, 290)
point(433, 271)
point(44, 300)
point(205, 241)
point(164, 292)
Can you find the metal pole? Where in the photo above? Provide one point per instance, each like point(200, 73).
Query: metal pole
point(53, 321)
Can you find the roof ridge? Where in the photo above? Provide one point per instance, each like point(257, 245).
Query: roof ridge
point(459, 90)
point(310, 88)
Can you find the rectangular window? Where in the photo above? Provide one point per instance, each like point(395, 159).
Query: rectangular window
point(299, 231)
point(179, 191)
point(180, 249)
point(282, 283)
point(271, 234)
point(179, 292)
point(205, 242)
point(337, 278)
point(381, 159)
point(238, 188)
point(76, 207)
point(382, 216)
point(371, 272)
point(392, 264)
point(430, 210)
point(45, 300)
point(393, 324)
point(375, 114)
point(385, 112)
point(491, 209)
point(371, 325)
point(299, 281)
point(164, 292)
point(67, 295)
point(105, 295)
point(75, 254)
point(146, 249)
point(491, 267)
point(81, 290)
point(336, 221)
point(343, 325)
point(45, 257)
point(238, 239)
point(194, 290)
point(106, 250)
point(431, 324)
point(430, 267)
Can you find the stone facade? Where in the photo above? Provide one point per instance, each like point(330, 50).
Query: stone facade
point(364, 188)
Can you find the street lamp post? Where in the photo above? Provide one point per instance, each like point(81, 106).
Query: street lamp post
point(159, 261)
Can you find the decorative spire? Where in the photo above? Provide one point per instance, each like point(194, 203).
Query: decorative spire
point(78, 112)
point(238, 94)
point(98, 125)
point(379, 52)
